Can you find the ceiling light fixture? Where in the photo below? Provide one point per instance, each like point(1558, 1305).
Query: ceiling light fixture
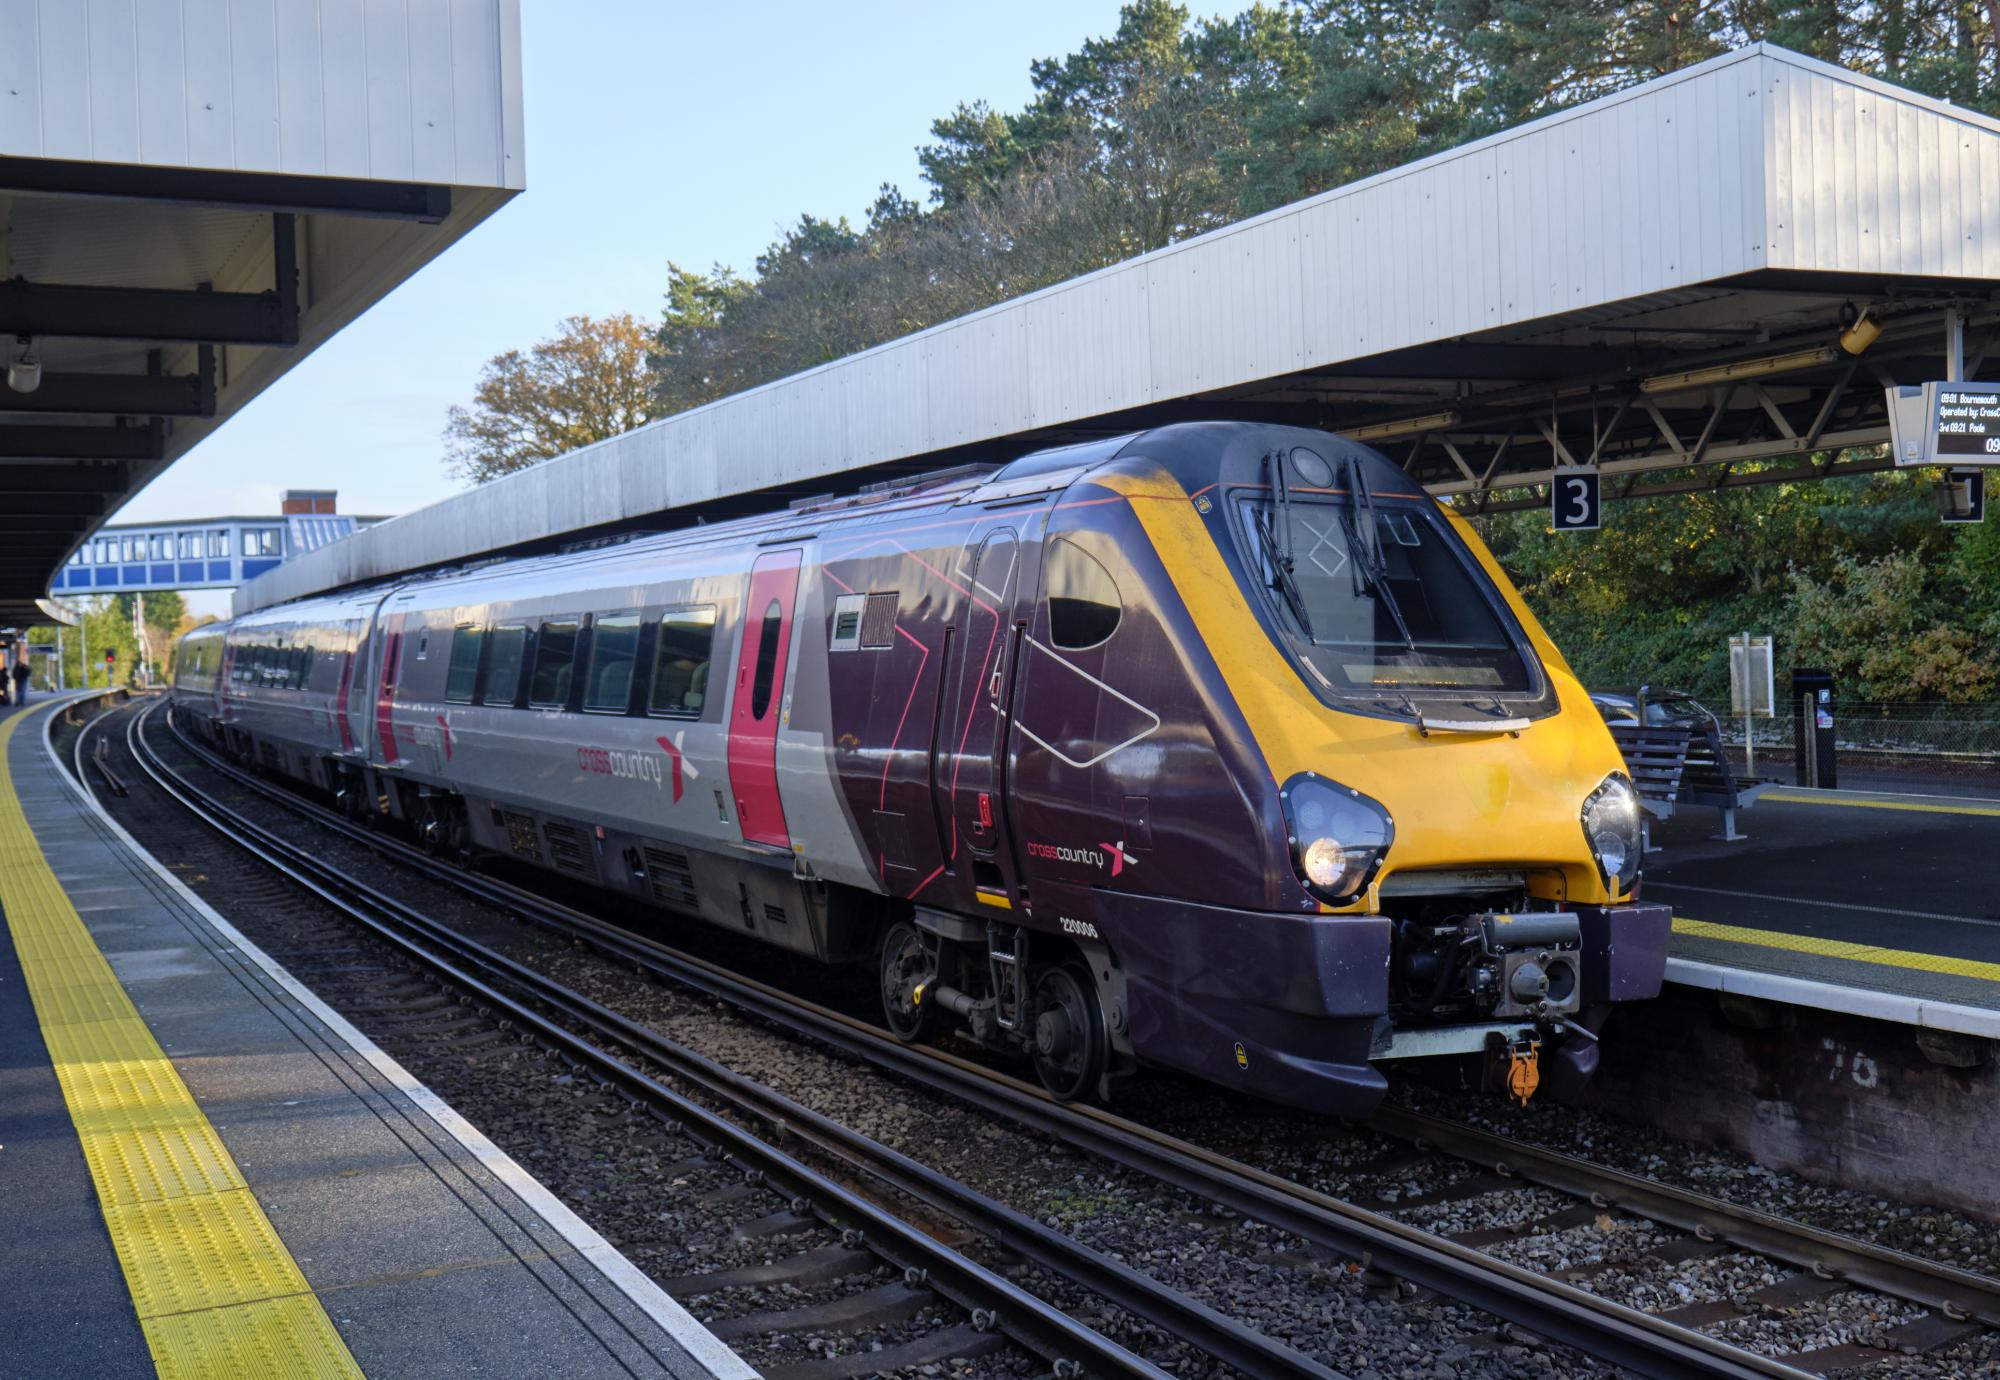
point(1740, 370)
point(1410, 426)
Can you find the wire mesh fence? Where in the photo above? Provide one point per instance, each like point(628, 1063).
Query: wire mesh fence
point(1915, 729)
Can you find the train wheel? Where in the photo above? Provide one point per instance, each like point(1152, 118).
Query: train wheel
point(908, 967)
point(1067, 1040)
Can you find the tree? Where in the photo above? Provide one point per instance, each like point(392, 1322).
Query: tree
point(586, 383)
point(103, 624)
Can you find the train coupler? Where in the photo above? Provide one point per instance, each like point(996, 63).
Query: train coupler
point(1521, 1068)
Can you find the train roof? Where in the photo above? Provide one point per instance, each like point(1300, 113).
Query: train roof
point(1200, 455)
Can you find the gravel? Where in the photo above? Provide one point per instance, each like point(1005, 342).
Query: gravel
point(1331, 1311)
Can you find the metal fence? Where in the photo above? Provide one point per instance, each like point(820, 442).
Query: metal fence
point(1914, 729)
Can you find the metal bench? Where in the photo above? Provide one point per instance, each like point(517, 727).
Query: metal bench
point(1709, 779)
point(1656, 760)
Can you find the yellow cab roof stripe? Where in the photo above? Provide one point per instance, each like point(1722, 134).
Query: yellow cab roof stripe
point(216, 1292)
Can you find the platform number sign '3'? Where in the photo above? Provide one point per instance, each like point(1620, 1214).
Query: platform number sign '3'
point(1575, 500)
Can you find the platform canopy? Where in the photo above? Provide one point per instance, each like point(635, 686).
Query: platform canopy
point(192, 198)
point(1657, 280)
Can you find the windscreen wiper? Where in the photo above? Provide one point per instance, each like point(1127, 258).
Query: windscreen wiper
point(1278, 554)
point(1368, 557)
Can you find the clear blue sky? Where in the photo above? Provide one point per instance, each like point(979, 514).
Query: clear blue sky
point(655, 131)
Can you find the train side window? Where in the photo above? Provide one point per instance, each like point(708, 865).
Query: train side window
point(302, 663)
point(503, 666)
point(555, 652)
point(1084, 604)
point(464, 672)
point(767, 660)
point(680, 662)
point(614, 646)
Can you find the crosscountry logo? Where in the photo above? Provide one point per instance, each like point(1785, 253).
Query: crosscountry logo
point(672, 747)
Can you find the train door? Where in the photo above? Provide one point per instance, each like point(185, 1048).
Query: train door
point(971, 750)
point(385, 690)
point(343, 723)
point(757, 701)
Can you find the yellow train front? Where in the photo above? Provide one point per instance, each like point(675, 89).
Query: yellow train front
point(1324, 795)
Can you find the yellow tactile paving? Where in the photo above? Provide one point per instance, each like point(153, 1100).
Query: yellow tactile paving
point(265, 1338)
point(217, 1293)
point(1839, 948)
point(1924, 807)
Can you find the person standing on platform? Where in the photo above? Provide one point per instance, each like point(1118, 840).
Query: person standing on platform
point(20, 678)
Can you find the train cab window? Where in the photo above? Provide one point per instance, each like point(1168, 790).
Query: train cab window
point(1084, 605)
point(464, 673)
point(555, 653)
point(503, 665)
point(767, 660)
point(614, 647)
point(680, 662)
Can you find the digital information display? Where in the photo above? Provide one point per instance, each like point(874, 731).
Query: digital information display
point(1945, 424)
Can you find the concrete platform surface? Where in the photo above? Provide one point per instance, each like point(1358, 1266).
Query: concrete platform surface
point(429, 1251)
point(1876, 903)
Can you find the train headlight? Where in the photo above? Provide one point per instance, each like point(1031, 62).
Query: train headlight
point(1324, 862)
point(1338, 836)
point(1611, 825)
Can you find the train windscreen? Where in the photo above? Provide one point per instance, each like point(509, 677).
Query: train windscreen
point(1382, 601)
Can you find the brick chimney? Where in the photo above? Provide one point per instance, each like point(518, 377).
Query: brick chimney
point(307, 501)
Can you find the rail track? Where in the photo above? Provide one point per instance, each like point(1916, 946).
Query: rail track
point(1957, 1303)
point(605, 1043)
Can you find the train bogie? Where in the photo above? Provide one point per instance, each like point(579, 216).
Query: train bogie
point(1220, 747)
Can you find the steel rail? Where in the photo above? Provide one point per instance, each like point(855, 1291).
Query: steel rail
point(967, 1283)
point(1960, 1295)
point(1624, 1336)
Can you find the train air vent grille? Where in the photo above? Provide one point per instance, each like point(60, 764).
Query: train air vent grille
point(669, 877)
point(521, 836)
point(570, 850)
point(878, 621)
point(775, 915)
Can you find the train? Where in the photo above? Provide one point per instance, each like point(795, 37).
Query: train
point(1220, 747)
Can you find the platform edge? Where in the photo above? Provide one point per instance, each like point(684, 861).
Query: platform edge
point(702, 1346)
point(1895, 1007)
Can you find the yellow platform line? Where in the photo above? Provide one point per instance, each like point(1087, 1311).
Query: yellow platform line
point(1839, 948)
point(1789, 798)
point(217, 1293)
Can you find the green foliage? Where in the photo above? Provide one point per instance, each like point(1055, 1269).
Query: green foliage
point(104, 624)
point(1856, 575)
point(1879, 627)
point(164, 610)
